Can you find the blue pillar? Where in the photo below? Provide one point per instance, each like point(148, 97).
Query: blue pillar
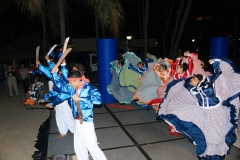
point(106, 53)
point(219, 47)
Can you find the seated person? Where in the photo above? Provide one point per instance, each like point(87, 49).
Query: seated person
point(36, 85)
point(31, 97)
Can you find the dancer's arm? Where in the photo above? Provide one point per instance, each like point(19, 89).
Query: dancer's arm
point(64, 70)
point(59, 99)
point(217, 71)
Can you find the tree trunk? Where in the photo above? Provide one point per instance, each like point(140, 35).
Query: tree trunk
point(44, 36)
point(96, 27)
point(175, 30)
point(182, 27)
point(236, 31)
point(146, 30)
point(103, 33)
point(140, 18)
point(166, 27)
point(62, 20)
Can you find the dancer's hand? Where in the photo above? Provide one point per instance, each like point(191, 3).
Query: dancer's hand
point(211, 61)
point(41, 101)
point(47, 57)
point(64, 61)
point(55, 69)
point(186, 53)
point(48, 106)
point(148, 55)
point(75, 98)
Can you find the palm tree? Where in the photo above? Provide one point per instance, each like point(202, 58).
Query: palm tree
point(166, 27)
point(171, 55)
point(109, 14)
point(57, 17)
point(189, 3)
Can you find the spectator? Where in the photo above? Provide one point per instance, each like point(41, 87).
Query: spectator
point(12, 82)
point(4, 77)
point(24, 77)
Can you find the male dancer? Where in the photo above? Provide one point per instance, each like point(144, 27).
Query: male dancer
point(84, 95)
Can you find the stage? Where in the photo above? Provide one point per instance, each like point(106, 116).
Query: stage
point(129, 132)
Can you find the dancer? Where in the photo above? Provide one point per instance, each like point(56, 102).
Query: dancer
point(127, 77)
point(59, 101)
point(205, 109)
point(122, 94)
point(85, 95)
point(153, 83)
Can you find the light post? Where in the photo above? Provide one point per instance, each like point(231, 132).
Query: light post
point(128, 41)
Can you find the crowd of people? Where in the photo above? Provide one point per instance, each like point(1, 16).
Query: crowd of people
point(11, 76)
point(200, 105)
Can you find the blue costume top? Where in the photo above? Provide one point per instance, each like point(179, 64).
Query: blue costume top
point(88, 94)
point(204, 91)
point(138, 70)
point(55, 95)
point(49, 68)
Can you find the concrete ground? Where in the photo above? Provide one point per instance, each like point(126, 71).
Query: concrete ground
point(19, 128)
point(124, 132)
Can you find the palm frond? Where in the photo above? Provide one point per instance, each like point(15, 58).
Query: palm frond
point(109, 14)
point(33, 8)
point(52, 15)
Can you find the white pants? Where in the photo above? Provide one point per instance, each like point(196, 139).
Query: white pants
point(85, 140)
point(12, 82)
point(64, 118)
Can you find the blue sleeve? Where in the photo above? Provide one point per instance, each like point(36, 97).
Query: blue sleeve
point(37, 72)
point(61, 85)
point(132, 68)
point(45, 71)
point(50, 65)
point(217, 71)
point(50, 95)
point(138, 70)
point(59, 99)
point(186, 84)
point(149, 60)
point(64, 72)
point(92, 96)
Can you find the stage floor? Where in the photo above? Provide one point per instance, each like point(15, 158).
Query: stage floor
point(129, 132)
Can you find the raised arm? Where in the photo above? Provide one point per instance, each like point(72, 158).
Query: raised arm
point(64, 70)
point(61, 85)
point(217, 71)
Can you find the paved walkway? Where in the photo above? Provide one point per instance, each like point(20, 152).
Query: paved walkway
point(19, 129)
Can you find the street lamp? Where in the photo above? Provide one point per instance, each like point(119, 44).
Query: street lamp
point(128, 41)
point(193, 40)
point(129, 37)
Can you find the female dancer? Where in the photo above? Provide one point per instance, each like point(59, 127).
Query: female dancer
point(122, 94)
point(205, 110)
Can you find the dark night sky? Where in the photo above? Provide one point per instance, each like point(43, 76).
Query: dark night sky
point(221, 23)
